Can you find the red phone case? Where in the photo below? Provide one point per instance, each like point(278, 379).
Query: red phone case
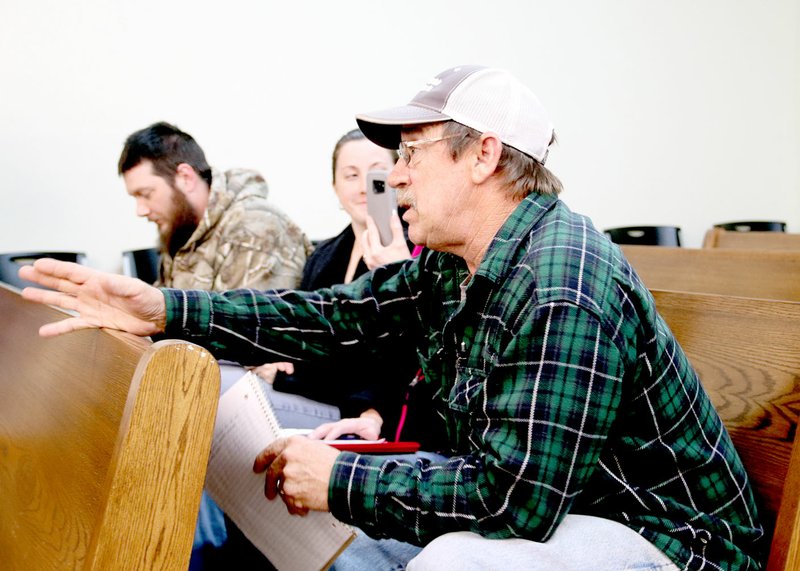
point(376, 447)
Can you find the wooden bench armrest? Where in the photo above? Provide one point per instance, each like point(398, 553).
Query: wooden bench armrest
point(784, 552)
point(158, 467)
point(104, 442)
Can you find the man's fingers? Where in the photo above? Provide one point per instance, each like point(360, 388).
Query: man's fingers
point(267, 455)
point(64, 326)
point(30, 274)
point(61, 300)
point(50, 297)
point(273, 482)
point(271, 461)
point(295, 508)
point(56, 274)
point(71, 271)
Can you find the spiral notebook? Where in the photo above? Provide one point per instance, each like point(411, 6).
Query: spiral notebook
point(245, 425)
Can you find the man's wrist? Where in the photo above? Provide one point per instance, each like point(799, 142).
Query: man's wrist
point(351, 492)
point(186, 313)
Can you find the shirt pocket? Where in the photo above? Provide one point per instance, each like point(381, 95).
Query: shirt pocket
point(467, 389)
point(467, 393)
point(466, 403)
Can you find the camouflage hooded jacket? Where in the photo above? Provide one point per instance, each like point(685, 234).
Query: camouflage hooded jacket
point(241, 241)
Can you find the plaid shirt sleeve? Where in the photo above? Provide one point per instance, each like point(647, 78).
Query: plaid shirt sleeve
point(255, 327)
point(536, 422)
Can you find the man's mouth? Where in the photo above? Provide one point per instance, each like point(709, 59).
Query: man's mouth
point(403, 200)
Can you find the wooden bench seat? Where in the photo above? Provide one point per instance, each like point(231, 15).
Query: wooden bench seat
point(104, 440)
point(721, 238)
point(747, 354)
point(747, 273)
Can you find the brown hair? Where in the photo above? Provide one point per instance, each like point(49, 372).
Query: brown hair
point(166, 147)
point(352, 135)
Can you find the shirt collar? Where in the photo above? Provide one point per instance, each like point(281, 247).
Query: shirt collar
point(502, 250)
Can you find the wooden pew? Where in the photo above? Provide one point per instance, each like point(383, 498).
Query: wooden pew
point(104, 440)
point(747, 354)
point(720, 238)
point(746, 273)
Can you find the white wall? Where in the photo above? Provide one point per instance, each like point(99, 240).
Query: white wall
point(683, 112)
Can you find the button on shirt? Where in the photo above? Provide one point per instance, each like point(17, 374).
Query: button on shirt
point(562, 389)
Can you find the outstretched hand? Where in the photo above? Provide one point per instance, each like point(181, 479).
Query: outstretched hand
point(98, 299)
point(375, 254)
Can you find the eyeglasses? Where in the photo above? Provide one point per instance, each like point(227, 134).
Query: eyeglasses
point(408, 148)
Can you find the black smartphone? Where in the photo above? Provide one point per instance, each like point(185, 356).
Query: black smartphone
point(381, 202)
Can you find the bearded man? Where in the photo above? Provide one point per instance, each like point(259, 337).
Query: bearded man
point(217, 230)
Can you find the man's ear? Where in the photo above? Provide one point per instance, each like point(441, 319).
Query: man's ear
point(485, 156)
point(186, 179)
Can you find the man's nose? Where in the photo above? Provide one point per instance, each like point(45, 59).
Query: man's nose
point(141, 208)
point(398, 178)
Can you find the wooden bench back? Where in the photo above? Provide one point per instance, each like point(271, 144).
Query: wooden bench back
point(746, 273)
point(720, 238)
point(747, 354)
point(104, 440)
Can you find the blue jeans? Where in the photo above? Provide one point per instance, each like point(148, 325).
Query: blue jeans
point(368, 554)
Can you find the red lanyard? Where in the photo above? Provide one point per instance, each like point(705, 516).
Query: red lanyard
point(404, 411)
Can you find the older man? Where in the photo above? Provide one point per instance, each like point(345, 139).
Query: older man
point(579, 435)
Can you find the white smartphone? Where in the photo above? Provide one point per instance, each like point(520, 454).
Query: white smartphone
point(381, 202)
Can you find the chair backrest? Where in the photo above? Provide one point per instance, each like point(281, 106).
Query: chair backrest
point(721, 238)
point(142, 264)
point(753, 226)
point(104, 442)
point(746, 352)
point(10, 263)
point(748, 273)
point(645, 235)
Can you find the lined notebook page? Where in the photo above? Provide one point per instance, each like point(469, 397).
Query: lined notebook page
point(245, 425)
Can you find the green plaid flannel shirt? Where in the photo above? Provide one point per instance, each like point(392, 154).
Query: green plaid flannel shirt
point(561, 388)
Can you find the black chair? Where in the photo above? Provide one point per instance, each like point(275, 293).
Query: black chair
point(142, 264)
point(645, 235)
point(753, 226)
point(11, 262)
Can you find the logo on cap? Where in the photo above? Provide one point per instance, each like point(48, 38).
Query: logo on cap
point(432, 83)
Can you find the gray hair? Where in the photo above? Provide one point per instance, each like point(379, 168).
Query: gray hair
point(521, 173)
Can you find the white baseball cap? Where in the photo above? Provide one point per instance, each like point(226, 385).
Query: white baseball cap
point(483, 98)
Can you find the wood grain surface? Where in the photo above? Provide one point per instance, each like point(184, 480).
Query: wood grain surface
point(104, 439)
point(720, 238)
point(769, 274)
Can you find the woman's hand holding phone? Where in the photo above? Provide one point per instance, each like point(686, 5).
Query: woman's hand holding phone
point(375, 254)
